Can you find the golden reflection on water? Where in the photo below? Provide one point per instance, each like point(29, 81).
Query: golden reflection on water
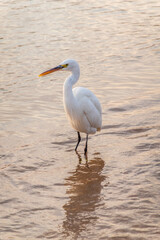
point(84, 192)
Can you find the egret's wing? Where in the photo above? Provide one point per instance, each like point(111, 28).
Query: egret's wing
point(80, 93)
point(90, 105)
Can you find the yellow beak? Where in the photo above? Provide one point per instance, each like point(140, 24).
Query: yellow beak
point(51, 70)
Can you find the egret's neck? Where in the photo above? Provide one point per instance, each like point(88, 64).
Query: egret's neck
point(70, 81)
point(67, 88)
point(73, 78)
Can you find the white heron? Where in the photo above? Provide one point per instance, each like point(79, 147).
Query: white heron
point(82, 107)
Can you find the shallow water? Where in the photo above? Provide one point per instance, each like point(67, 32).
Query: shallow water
point(48, 191)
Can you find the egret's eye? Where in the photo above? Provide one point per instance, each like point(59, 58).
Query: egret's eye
point(65, 65)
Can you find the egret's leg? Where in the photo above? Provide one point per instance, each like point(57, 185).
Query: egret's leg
point(79, 139)
point(85, 150)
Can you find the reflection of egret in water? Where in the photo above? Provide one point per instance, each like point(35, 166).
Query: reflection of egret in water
point(85, 184)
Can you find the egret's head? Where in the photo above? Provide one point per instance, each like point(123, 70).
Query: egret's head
point(67, 65)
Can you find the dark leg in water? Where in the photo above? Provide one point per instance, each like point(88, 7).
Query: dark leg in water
point(79, 139)
point(85, 150)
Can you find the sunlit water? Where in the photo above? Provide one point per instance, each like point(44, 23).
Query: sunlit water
point(48, 191)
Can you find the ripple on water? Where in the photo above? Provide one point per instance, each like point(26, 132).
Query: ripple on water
point(148, 146)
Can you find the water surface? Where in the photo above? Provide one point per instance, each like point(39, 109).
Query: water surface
point(48, 191)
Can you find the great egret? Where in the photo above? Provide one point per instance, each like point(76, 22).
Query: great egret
point(81, 105)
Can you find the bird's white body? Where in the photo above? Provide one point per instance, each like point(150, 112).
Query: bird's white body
point(81, 105)
point(83, 111)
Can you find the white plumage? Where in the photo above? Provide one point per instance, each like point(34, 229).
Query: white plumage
point(82, 107)
point(86, 115)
